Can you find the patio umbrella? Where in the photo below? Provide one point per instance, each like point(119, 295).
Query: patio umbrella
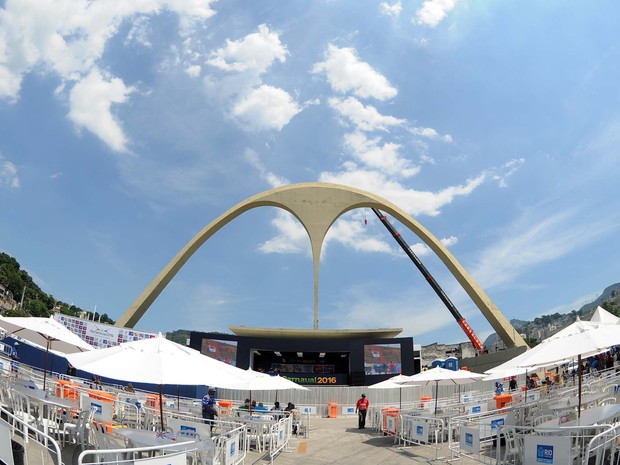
point(258, 381)
point(393, 383)
point(584, 339)
point(159, 361)
point(46, 333)
point(444, 377)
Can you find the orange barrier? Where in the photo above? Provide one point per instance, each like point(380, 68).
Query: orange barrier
point(390, 419)
point(152, 400)
point(333, 409)
point(225, 406)
point(502, 400)
point(67, 389)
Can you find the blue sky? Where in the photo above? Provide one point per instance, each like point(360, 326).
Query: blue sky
point(126, 127)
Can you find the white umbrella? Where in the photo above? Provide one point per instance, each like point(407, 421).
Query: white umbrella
point(45, 333)
point(444, 377)
point(258, 381)
point(393, 383)
point(159, 361)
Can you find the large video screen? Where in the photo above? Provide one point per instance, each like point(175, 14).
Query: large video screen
point(224, 351)
point(382, 359)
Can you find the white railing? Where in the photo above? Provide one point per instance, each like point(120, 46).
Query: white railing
point(35, 443)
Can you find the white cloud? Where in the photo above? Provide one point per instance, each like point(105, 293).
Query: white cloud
point(433, 12)
point(365, 118)
point(139, 31)
point(384, 158)
point(91, 100)
point(412, 201)
point(346, 73)
point(8, 174)
point(391, 10)
point(271, 178)
point(534, 239)
point(293, 238)
point(508, 169)
point(266, 107)
point(255, 52)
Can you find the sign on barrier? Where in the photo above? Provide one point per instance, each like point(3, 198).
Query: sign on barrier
point(348, 410)
point(419, 431)
point(548, 450)
point(307, 409)
point(390, 424)
point(280, 435)
point(470, 440)
point(477, 408)
point(232, 450)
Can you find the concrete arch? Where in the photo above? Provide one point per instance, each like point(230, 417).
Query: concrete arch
point(317, 206)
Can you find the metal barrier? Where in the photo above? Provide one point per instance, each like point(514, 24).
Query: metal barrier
point(279, 436)
point(604, 448)
point(428, 431)
point(34, 442)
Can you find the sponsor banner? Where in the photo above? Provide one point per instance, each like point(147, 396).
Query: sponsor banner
point(348, 410)
point(469, 440)
point(101, 335)
point(547, 450)
point(333, 379)
point(232, 450)
point(419, 431)
point(307, 409)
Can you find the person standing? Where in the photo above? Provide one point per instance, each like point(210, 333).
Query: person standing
point(14, 358)
point(209, 411)
point(361, 408)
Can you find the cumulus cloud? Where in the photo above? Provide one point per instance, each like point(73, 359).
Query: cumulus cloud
point(391, 10)
point(382, 157)
point(255, 52)
point(432, 12)
point(412, 201)
point(266, 107)
point(68, 38)
point(91, 101)
point(347, 73)
point(365, 118)
point(8, 174)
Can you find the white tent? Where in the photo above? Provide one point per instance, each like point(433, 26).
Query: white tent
point(603, 316)
point(159, 361)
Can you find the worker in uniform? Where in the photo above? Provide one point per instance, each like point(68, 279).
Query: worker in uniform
point(361, 408)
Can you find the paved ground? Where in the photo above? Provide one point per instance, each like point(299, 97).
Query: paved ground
point(338, 440)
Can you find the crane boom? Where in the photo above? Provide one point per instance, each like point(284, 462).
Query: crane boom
point(476, 342)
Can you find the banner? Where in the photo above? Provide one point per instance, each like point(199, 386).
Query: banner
point(469, 440)
point(100, 335)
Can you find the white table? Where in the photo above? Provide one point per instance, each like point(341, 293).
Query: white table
point(589, 417)
point(573, 401)
point(147, 438)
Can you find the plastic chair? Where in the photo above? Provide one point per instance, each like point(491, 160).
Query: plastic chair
point(513, 451)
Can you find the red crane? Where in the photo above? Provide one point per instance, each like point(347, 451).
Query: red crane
point(475, 340)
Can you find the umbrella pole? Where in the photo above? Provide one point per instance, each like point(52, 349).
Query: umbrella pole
point(400, 398)
point(161, 409)
point(47, 348)
point(580, 375)
point(178, 399)
point(436, 390)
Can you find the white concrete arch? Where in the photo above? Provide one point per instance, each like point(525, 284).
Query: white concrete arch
point(317, 206)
